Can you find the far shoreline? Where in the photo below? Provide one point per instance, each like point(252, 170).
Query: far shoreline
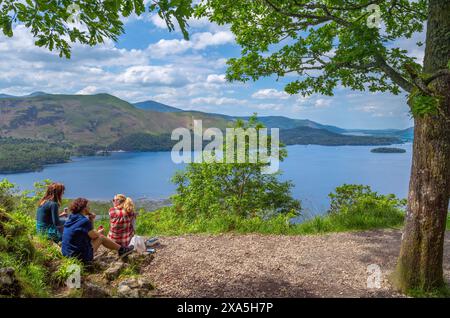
point(73, 158)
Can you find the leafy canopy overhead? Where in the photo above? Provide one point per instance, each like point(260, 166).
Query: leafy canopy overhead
point(57, 23)
point(321, 43)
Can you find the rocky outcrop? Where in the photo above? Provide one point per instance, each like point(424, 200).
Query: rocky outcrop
point(134, 288)
point(9, 284)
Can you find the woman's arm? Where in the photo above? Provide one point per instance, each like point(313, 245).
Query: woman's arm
point(93, 234)
point(55, 214)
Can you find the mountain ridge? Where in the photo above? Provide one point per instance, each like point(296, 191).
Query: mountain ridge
point(284, 122)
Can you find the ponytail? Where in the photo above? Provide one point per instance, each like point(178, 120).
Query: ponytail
point(125, 203)
point(128, 205)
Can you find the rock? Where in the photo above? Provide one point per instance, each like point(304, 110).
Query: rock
point(114, 270)
point(145, 284)
point(131, 282)
point(134, 288)
point(127, 292)
point(91, 290)
point(9, 285)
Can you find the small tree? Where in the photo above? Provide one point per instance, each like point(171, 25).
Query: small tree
point(239, 188)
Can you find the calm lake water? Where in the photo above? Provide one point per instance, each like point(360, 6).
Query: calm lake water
point(315, 171)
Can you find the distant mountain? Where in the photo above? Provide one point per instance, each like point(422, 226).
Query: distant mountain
point(269, 121)
point(405, 135)
point(6, 96)
point(29, 95)
point(282, 122)
point(34, 94)
point(157, 107)
point(103, 120)
point(289, 123)
point(314, 136)
point(87, 119)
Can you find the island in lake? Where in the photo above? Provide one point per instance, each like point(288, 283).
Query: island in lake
point(388, 150)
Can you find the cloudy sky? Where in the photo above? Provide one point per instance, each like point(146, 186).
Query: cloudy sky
point(148, 62)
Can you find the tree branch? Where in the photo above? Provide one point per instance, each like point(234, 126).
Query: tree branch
point(395, 76)
point(440, 73)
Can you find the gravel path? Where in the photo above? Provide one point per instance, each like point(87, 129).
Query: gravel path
point(333, 265)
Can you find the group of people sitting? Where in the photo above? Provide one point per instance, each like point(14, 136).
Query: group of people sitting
point(77, 234)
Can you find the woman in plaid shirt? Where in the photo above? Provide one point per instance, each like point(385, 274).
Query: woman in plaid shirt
point(122, 220)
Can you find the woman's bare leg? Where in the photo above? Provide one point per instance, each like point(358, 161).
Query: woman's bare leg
point(106, 242)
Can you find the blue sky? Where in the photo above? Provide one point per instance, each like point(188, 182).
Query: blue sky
point(148, 62)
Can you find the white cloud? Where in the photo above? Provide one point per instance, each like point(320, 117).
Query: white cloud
point(198, 41)
point(204, 39)
point(270, 93)
point(267, 106)
point(167, 47)
point(322, 103)
point(217, 101)
point(88, 90)
point(216, 79)
point(156, 75)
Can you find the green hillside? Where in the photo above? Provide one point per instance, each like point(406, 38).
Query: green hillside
point(87, 120)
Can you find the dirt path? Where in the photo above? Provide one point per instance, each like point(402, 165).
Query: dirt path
point(333, 265)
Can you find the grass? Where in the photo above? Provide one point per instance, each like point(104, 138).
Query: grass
point(167, 222)
point(443, 292)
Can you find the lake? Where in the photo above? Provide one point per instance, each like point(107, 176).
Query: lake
point(315, 171)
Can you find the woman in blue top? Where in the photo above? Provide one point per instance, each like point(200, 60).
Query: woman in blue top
point(47, 216)
point(80, 240)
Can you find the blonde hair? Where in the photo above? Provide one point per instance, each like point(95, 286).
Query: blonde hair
point(125, 203)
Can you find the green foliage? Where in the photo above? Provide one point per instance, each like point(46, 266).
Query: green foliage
point(27, 255)
point(7, 201)
point(349, 197)
point(242, 189)
point(33, 277)
point(167, 221)
point(24, 155)
point(65, 270)
point(319, 45)
point(143, 142)
point(422, 105)
point(443, 292)
point(99, 20)
point(354, 208)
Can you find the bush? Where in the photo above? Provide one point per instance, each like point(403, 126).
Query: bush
point(357, 207)
point(209, 189)
point(18, 248)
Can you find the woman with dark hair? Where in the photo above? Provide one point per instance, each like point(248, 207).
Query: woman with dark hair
point(80, 240)
point(47, 216)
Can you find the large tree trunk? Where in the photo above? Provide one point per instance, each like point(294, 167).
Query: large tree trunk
point(420, 262)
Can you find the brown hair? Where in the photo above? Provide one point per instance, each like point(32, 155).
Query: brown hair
point(125, 203)
point(54, 193)
point(78, 205)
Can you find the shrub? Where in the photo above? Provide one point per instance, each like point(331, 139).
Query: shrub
point(211, 188)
